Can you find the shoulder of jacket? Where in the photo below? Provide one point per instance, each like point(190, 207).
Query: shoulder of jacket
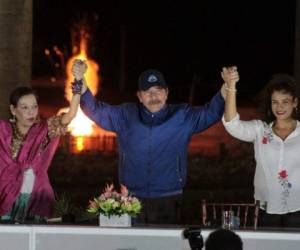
point(179, 107)
point(128, 105)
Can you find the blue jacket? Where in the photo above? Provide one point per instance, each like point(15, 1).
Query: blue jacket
point(153, 146)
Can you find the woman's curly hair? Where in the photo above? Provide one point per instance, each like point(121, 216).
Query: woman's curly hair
point(279, 82)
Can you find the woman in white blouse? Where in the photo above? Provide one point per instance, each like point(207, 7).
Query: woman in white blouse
point(276, 141)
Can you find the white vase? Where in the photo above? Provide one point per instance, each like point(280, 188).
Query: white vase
point(115, 221)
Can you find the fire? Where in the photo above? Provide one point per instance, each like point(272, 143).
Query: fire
point(92, 73)
point(82, 128)
point(81, 125)
point(79, 143)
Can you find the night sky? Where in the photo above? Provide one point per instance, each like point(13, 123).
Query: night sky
point(183, 39)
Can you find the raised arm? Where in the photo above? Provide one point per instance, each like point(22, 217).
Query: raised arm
point(78, 69)
point(243, 130)
point(230, 76)
point(108, 117)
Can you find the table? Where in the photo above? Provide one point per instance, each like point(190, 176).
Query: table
point(45, 237)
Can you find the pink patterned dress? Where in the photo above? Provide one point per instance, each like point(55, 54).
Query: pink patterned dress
point(25, 190)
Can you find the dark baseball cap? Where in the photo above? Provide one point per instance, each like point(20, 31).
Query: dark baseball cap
point(150, 78)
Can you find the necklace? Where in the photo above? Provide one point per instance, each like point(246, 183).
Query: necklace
point(17, 141)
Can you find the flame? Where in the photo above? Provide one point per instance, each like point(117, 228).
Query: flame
point(91, 75)
point(82, 128)
point(81, 125)
point(79, 143)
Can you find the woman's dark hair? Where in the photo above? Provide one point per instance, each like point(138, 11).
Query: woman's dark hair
point(18, 93)
point(279, 82)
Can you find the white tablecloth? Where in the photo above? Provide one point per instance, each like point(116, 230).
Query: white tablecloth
point(27, 237)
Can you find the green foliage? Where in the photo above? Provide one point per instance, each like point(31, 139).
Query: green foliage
point(62, 205)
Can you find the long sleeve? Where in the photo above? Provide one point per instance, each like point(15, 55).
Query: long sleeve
point(205, 116)
point(105, 115)
point(243, 130)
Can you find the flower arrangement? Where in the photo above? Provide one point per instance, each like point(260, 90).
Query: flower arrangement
point(113, 203)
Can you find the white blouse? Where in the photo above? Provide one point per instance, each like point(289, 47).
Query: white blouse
point(277, 174)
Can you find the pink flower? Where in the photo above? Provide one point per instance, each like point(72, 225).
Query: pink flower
point(109, 188)
point(92, 204)
point(124, 190)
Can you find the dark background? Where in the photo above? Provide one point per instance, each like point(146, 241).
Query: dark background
point(183, 39)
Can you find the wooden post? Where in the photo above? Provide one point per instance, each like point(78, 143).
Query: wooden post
point(15, 48)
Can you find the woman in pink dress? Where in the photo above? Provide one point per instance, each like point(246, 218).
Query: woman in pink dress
point(27, 146)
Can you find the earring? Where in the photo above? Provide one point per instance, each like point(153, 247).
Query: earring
point(13, 119)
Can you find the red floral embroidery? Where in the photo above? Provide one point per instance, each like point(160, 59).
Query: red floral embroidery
point(283, 174)
point(286, 186)
point(268, 135)
point(264, 140)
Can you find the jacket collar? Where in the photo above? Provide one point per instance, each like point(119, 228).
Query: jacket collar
point(153, 118)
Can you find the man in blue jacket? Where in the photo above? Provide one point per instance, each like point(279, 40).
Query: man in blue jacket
point(153, 139)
